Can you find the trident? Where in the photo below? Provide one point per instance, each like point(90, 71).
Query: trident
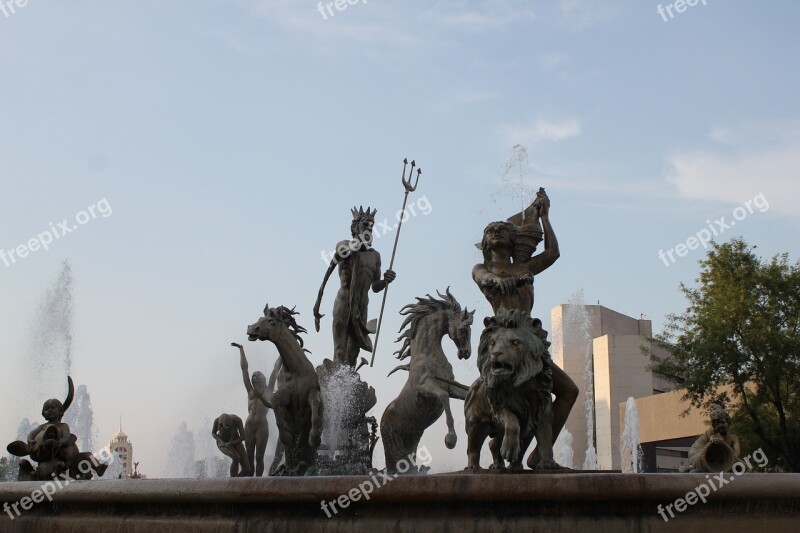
point(409, 188)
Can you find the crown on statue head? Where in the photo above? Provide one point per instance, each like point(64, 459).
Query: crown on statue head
point(361, 214)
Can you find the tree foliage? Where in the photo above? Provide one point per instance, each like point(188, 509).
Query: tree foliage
point(740, 333)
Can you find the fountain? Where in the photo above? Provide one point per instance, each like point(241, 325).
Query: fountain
point(114, 470)
point(49, 345)
point(630, 449)
point(577, 327)
point(348, 436)
point(324, 427)
point(181, 455)
point(81, 419)
point(562, 449)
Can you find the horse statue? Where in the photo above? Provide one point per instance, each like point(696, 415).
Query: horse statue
point(297, 401)
point(430, 383)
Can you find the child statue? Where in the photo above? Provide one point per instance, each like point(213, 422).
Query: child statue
point(53, 447)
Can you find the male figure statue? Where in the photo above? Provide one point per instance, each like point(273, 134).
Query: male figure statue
point(359, 270)
point(229, 433)
point(506, 280)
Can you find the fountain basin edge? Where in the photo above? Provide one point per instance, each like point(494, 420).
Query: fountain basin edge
point(441, 502)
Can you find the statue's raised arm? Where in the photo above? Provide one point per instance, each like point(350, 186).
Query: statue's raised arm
point(551, 253)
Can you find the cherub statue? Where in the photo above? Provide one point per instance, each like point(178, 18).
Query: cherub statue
point(229, 433)
point(717, 449)
point(53, 447)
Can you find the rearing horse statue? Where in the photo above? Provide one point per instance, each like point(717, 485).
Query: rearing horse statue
point(430, 383)
point(297, 401)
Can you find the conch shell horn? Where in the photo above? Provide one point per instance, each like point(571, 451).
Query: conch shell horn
point(70, 393)
point(718, 457)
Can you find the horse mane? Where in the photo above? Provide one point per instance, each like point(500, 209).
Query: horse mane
point(416, 312)
point(286, 316)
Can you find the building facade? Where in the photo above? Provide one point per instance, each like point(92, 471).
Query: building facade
point(601, 350)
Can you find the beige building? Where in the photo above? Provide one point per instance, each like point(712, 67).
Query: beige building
point(594, 343)
point(124, 449)
point(666, 436)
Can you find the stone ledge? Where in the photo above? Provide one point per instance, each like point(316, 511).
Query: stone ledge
point(443, 502)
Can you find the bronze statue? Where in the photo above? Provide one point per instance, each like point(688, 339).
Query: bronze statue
point(256, 428)
point(53, 447)
point(717, 449)
point(430, 385)
point(506, 280)
point(359, 270)
point(511, 400)
point(229, 432)
point(296, 402)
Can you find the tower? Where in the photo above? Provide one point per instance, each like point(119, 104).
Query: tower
point(124, 448)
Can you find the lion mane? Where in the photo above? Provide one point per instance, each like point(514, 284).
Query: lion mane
point(528, 391)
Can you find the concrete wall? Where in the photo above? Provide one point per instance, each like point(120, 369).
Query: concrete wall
point(620, 372)
point(660, 417)
point(568, 355)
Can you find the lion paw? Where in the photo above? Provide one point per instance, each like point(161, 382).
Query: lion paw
point(549, 465)
point(476, 469)
point(510, 450)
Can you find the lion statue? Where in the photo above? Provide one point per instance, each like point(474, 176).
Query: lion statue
point(511, 401)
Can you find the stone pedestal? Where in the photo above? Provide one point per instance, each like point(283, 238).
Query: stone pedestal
point(444, 502)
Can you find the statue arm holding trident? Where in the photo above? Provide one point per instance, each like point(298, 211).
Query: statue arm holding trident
point(359, 268)
point(409, 189)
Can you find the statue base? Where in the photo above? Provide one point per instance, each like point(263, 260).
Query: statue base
point(349, 435)
point(440, 502)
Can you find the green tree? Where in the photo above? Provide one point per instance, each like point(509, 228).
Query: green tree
point(741, 332)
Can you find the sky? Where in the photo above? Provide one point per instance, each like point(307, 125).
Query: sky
point(222, 145)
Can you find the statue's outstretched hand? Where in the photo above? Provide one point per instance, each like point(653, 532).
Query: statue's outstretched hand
point(389, 276)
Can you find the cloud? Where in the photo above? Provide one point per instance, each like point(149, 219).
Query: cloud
point(742, 162)
point(373, 23)
point(543, 130)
